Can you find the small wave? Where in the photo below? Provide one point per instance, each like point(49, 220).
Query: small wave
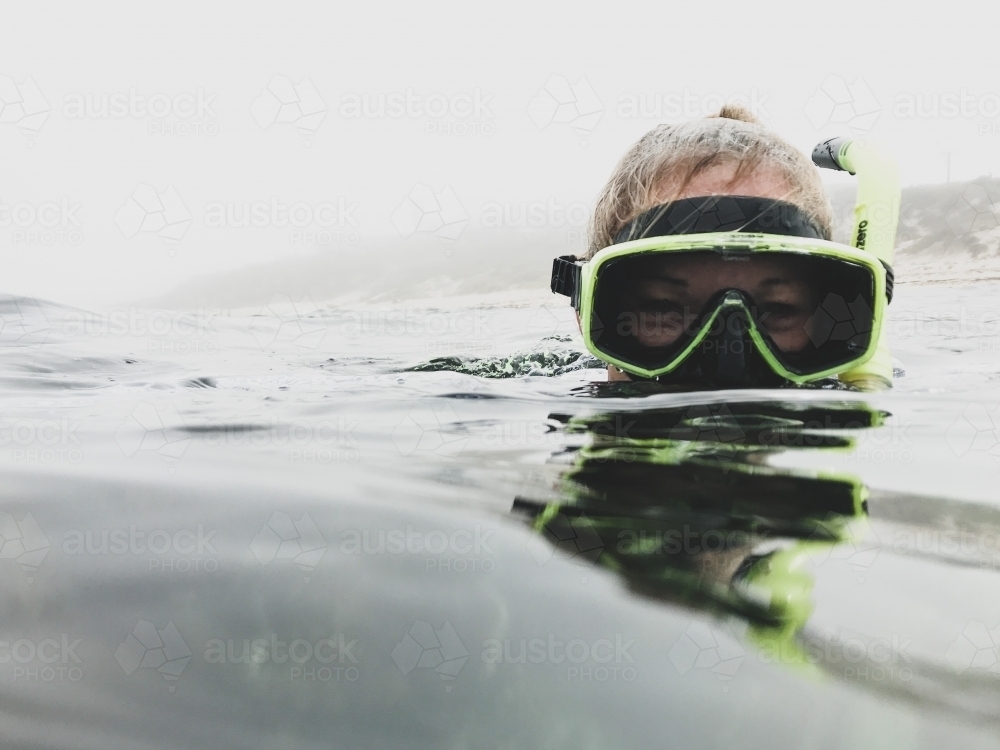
point(549, 358)
point(200, 382)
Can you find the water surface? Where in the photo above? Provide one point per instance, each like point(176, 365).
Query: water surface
point(436, 526)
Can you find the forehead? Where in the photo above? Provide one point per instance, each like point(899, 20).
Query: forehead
point(720, 179)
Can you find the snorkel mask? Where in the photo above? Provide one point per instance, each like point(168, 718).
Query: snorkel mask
point(743, 292)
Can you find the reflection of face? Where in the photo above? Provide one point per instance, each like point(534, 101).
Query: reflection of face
point(670, 293)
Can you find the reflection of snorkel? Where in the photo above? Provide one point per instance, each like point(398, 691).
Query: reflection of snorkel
point(876, 214)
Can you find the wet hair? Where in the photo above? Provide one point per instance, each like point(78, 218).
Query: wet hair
point(659, 167)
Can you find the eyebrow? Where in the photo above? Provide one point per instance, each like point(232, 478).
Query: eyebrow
point(669, 280)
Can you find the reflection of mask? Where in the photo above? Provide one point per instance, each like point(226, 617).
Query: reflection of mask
point(683, 505)
point(680, 504)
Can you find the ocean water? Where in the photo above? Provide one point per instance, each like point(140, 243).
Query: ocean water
point(436, 525)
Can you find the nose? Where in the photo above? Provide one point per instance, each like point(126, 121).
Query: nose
point(728, 350)
point(730, 358)
point(731, 349)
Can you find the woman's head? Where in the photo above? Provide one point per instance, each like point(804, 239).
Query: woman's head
point(730, 153)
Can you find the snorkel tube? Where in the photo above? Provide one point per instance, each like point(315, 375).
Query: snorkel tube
point(876, 214)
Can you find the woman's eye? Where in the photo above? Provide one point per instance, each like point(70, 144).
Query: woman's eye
point(781, 316)
point(782, 310)
point(662, 306)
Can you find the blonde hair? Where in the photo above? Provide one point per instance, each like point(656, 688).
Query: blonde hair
point(673, 155)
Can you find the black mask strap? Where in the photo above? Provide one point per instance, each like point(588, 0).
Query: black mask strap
point(566, 278)
point(721, 213)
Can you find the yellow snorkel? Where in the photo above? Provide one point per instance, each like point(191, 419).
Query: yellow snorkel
point(876, 214)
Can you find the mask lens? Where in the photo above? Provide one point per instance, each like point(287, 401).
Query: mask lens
point(813, 312)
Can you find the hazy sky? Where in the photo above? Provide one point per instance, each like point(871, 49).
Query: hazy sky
point(321, 110)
